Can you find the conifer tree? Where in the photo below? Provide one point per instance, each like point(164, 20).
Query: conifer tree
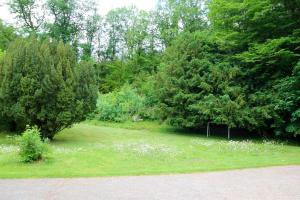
point(42, 84)
point(196, 84)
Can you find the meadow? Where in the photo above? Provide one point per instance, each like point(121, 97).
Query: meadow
point(93, 149)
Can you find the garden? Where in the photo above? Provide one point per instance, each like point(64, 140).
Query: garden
point(136, 92)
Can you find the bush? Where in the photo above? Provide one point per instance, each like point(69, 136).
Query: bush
point(146, 86)
point(42, 84)
point(119, 106)
point(31, 147)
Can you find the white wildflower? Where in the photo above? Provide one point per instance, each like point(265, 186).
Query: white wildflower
point(8, 148)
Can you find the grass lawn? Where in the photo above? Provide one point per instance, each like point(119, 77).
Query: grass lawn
point(108, 149)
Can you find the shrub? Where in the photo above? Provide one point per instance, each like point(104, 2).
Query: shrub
point(42, 84)
point(31, 146)
point(121, 105)
point(146, 86)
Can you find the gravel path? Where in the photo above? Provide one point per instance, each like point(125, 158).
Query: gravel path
point(264, 183)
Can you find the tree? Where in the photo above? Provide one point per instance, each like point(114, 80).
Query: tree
point(72, 21)
point(130, 49)
point(112, 75)
point(30, 13)
point(41, 84)
point(175, 16)
point(127, 30)
point(262, 39)
point(196, 85)
point(7, 34)
point(92, 26)
point(75, 22)
point(67, 18)
point(287, 103)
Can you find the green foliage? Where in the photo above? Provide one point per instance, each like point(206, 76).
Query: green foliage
point(61, 20)
point(29, 13)
point(41, 84)
point(64, 27)
point(67, 18)
point(175, 16)
point(120, 105)
point(128, 32)
point(230, 62)
point(196, 85)
point(261, 38)
point(92, 25)
point(92, 150)
point(1, 55)
point(112, 75)
point(249, 21)
point(31, 146)
point(146, 85)
point(7, 34)
point(287, 103)
point(240, 73)
point(273, 59)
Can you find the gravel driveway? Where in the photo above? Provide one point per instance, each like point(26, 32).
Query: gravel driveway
point(264, 183)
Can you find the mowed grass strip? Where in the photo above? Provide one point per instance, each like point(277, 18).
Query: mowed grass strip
point(91, 149)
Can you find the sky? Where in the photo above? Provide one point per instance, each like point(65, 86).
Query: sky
point(103, 7)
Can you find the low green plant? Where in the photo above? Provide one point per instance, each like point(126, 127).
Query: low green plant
point(32, 148)
point(114, 149)
point(120, 105)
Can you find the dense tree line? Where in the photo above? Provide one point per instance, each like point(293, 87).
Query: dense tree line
point(242, 72)
point(227, 62)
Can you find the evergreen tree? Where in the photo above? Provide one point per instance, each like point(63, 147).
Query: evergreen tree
point(196, 85)
point(41, 84)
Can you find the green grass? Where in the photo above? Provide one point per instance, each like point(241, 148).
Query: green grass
point(107, 149)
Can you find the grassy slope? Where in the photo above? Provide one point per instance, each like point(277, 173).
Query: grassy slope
point(143, 148)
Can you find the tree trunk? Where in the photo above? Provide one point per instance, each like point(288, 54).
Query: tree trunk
point(208, 129)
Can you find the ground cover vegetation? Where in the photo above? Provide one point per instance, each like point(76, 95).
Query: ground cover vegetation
point(137, 148)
